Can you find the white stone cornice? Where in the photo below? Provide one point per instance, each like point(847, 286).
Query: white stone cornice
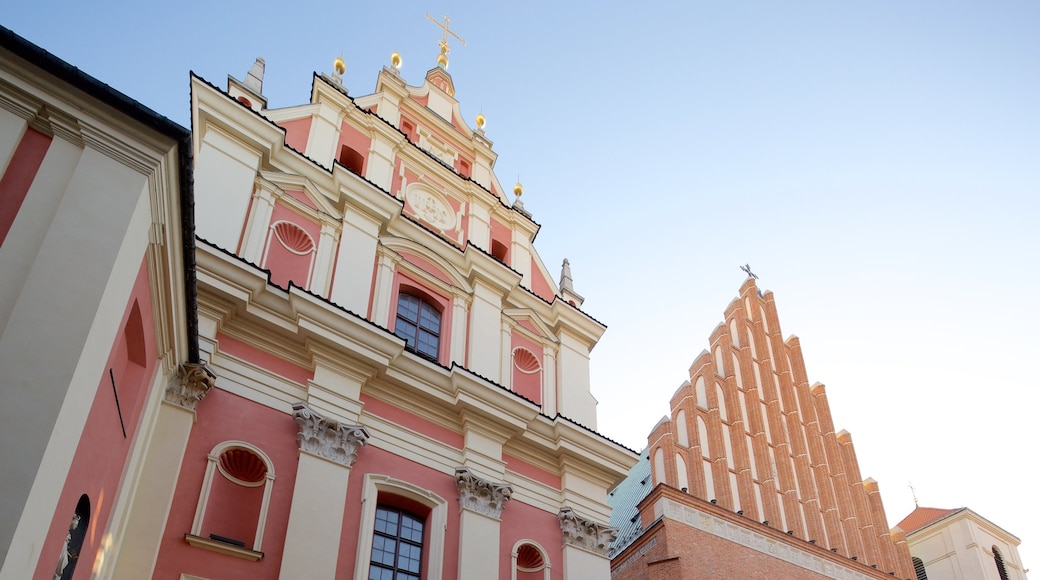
point(190, 385)
point(482, 496)
point(585, 534)
point(327, 438)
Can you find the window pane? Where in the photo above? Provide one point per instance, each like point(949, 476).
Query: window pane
point(411, 529)
point(409, 558)
point(397, 548)
point(383, 550)
point(405, 330)
point(430, 319)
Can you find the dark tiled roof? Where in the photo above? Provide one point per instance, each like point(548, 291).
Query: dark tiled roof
point(624, 499)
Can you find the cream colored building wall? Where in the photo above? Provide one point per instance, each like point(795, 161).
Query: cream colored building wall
point(67, 269)
point(960, 548)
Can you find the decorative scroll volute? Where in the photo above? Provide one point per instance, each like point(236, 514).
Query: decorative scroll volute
point(480, 495)
point(191, 383)
point(328, 438)
point(585, 534)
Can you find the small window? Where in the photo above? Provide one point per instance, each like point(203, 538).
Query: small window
point(397, 545)
point(464, 168)
point(419, 324)
point(919, 569)
point(352, 160)
point(998, 559)
point(499, 251)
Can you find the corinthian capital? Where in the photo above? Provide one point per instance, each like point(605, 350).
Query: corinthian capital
point(190, 384)
point(585, 534)
point(480, 495)
point(328, 438)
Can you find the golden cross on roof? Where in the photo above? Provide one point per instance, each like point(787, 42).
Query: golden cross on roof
point(447, 31)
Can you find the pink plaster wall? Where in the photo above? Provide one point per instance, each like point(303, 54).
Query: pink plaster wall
point(540, 285)
point(287, 266)
point(20, 173)
point(521, 521)
point(102, 452)
point(223, 416)
point(502, 234)
point(296, 133)
point(357, 141)
point(527, 384)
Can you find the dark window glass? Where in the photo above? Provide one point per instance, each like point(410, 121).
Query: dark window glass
point(419, 324)
point(397, 545)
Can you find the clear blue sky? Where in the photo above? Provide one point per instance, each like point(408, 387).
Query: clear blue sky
point(877, 163)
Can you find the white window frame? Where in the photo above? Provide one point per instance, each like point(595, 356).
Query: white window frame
point(207, 485)
point(436, 522)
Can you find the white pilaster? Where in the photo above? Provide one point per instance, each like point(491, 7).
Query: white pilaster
point(324, 134)
point(485, 346)
point(384, 286)
point(327, 451)
point(149, 508)
point(357, 255)
point(585, 546)
point(480, 226)
point(258, 224)
point(380, 168)
point(458, 329)
point(574, 397)
point(225, 172)
point(323, 261)
point(480, 524)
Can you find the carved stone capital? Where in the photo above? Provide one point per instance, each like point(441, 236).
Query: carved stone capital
point(190, 384)
point(482, 496)
point(585, 534)
point(328, 438)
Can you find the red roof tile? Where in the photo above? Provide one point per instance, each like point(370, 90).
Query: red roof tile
point(923, 516)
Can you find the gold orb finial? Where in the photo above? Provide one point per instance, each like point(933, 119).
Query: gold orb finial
point(339, 65)
point(395, 60)
point(518, 189)
point(442, 61)
point(481, 121)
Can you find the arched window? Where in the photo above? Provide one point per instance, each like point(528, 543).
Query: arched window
point(919, 569)
point(530, 561)
point(73, 540)
point(998, 559)
point(419, 324)
point(397, 544)
point(416, 548)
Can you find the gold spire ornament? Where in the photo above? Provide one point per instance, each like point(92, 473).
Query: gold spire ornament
point(339, 65)
point(442, 58)
point(481, 121)
point(395, 60)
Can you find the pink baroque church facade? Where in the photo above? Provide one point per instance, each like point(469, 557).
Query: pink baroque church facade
point(367, 372)
point(402, 390)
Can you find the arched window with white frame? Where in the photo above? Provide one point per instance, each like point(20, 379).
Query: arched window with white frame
point(381, 495)
point(236, 494)
point(530, 561)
